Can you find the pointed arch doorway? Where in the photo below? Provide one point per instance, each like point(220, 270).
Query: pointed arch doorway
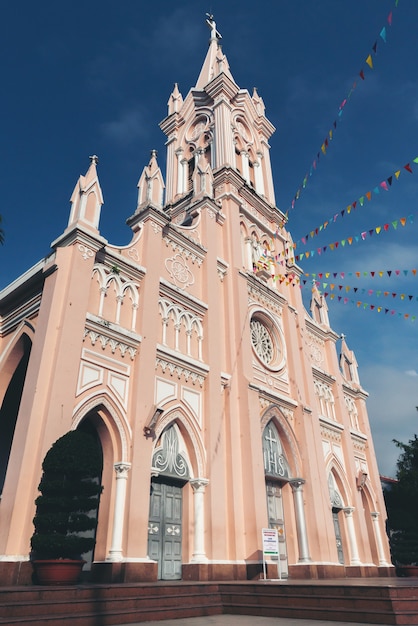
point(337, 507)
point(165, 529)
point(277, 475)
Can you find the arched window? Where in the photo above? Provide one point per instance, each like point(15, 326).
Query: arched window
point(10, 404)
point(275, 463)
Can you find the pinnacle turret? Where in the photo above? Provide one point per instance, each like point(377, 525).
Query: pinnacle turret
point(87, 198)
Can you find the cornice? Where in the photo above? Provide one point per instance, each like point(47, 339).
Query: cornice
point(112, 335)
point(179, 295)
point(325, 377)
point(319, 331)
point(354, 392)
point(77, 234)
point(146, 213)
point(126, 266)
point(262, 292)
point(181, 365)
point(221, 85)
point(359, 440)
point(330, 430)
point(172, 123)
point(274, 398)
point(180, 242)
point(26, 310)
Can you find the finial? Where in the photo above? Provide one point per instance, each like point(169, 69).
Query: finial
point(214, 34)
point(342, 336)
point(154, 153)
point(94, 159)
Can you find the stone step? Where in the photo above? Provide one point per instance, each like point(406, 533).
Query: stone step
point(87, 605)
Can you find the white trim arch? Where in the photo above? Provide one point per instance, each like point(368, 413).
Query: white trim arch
point(121, 425)
point(335, 467)
point(288, 438)
point(198, 458)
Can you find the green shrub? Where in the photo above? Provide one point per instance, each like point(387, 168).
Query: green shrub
point(70, 490)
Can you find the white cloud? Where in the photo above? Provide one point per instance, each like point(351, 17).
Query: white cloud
point(127, 128)
point(391, 408)
point(411, 373)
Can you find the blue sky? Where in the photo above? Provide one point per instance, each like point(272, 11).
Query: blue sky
point(91, 77)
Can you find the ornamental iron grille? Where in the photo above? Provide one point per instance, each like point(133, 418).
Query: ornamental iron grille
point(336, 499)
point(262, 341)
point(275, 463)
point(167, 459)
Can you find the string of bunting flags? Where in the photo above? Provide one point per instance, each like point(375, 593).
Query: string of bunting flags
point(366, 234)
point(360, 202)
point(335, 292)
point(371, 307)
point(363, 291)
point(369, 65)
point(371, 274)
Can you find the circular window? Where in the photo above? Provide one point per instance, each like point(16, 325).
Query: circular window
point(266, 341)
point(262, 341)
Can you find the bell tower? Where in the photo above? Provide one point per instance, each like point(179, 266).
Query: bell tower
point(218, 125)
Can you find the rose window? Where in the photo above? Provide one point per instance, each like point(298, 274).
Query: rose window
point(262, 341)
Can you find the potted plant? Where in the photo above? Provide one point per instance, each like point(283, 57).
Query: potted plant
point(66, 518)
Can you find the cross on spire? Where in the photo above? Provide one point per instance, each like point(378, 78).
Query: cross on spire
point(214, 34)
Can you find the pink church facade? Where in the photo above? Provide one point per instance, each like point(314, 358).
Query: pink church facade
point(222, 406)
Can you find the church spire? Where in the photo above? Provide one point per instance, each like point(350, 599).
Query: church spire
point(215, 62)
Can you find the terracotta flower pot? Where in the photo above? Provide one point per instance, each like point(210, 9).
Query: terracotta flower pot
point(58, 571)
point(407, 570)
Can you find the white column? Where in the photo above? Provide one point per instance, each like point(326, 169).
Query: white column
point(115, 552)
point(199, 485)
point(248, 253)
point(245, 166)
point(297, 488)
point(119, 301)
point(185, 170)
point(380, 551)
point(258, 175)
point(354, 556)
point(171, 183)
point(180, 177)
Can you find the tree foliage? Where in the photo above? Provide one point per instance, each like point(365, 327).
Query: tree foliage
point(70, 491)
point(402, 505)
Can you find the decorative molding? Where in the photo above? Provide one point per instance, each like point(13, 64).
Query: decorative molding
point(359, 442)
point(182, 366)
point(104, 340)
point(316, 347)
point(260, 293)
point(86, 252)
point(134, 254)
point(180, 371)
point(187, 300)
point(222, 269)
point(184, 245)
point(179, 271)
point(156, 227)
point(332, 432)
point(111, 335)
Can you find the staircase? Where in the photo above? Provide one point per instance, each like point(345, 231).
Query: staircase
point(374, 601)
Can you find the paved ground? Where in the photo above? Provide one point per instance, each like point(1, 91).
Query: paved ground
point(246, 620)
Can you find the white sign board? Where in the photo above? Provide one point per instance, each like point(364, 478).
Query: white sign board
point(270, 547)
point(270, 542)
